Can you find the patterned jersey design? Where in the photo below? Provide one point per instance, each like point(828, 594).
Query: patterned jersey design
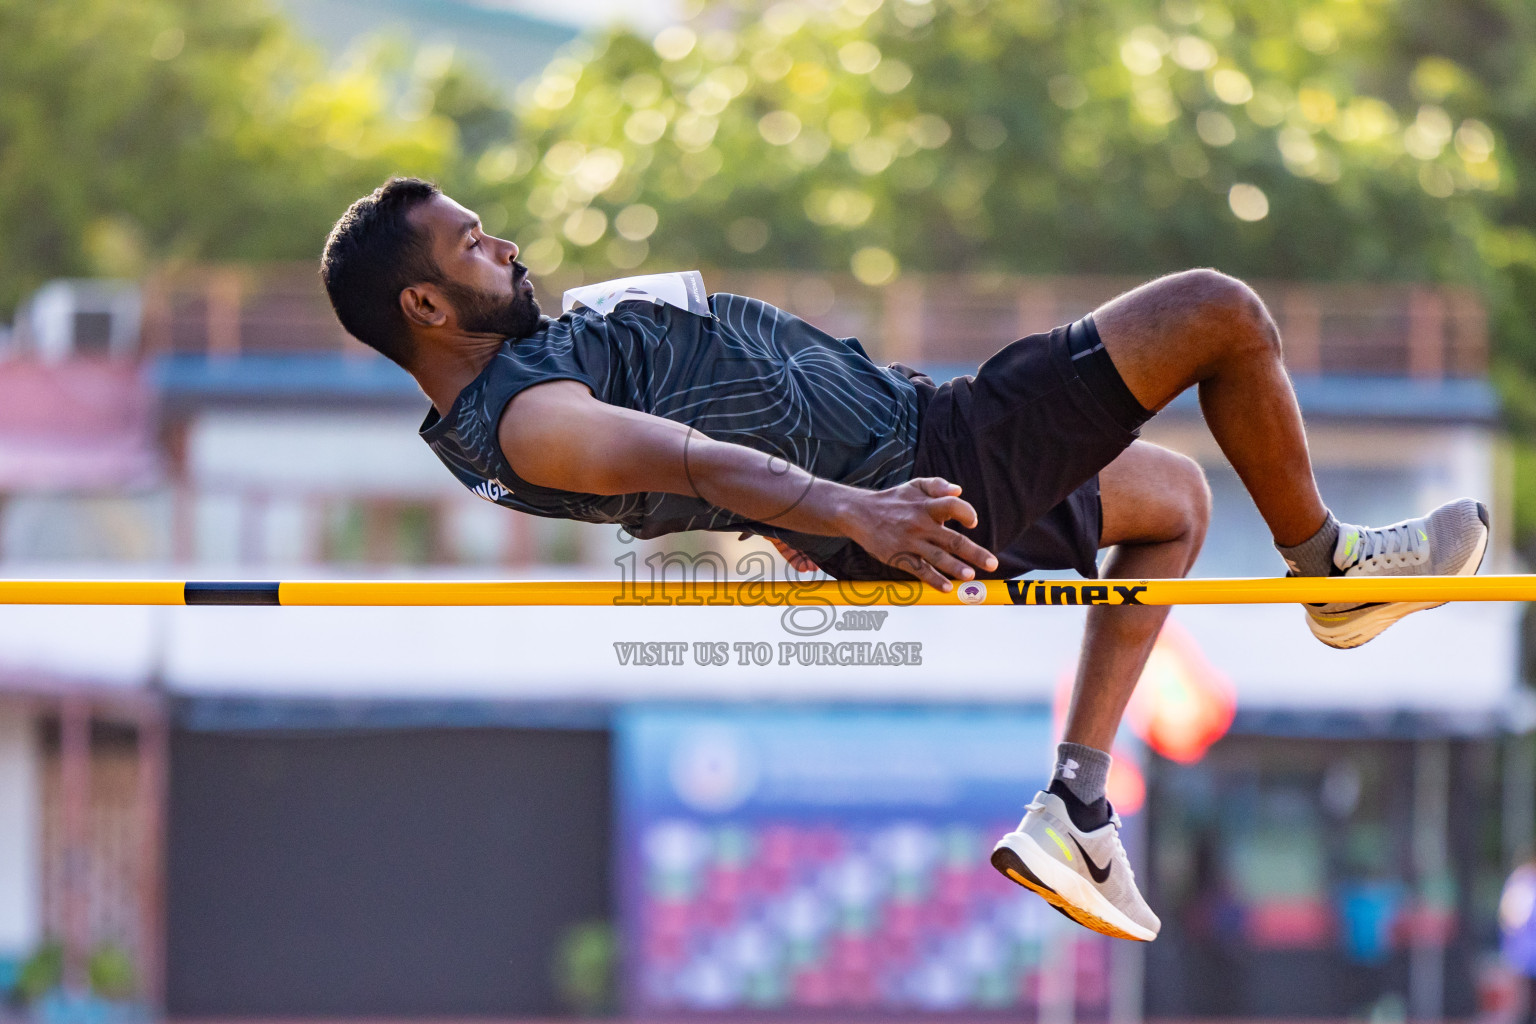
point(749, 373)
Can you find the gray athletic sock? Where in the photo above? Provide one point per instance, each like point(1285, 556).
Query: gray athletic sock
point(1083, 770)
point(1314, 556)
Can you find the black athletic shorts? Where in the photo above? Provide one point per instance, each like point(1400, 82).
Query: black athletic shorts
point(1025, 438)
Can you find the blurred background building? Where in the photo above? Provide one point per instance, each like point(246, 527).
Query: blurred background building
point(219, 813)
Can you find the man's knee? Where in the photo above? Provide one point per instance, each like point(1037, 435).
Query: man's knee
point(1227, 307)
point(1153, 495)
point(1193, 496)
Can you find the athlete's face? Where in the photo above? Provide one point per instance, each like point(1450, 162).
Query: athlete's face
point(482, 281)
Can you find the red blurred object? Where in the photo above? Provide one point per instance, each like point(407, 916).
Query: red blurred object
point(1425, 923)
point(75, 426)
point(1126, 787)
point(1498, 988)
point(1181, 706)
point(1291, 924)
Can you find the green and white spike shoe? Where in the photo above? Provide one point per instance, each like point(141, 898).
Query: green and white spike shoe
point(1450, 541)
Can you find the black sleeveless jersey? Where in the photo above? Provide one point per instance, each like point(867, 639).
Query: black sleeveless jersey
point(748, 373)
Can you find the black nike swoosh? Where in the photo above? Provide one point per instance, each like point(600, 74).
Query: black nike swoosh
point(1100, 875)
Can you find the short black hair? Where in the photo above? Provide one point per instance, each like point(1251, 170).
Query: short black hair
point(372, 254)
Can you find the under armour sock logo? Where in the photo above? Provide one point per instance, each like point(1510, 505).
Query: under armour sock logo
point(1067, 769)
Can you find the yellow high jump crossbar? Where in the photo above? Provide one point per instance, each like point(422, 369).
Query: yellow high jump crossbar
point(703, 592)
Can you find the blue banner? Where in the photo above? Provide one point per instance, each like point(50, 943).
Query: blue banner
point(817, 859)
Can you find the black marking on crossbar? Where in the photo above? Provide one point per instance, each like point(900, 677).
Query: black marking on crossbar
point(231, 593)
point(1051, 592)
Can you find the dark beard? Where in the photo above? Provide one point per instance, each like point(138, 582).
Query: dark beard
point(480, 313)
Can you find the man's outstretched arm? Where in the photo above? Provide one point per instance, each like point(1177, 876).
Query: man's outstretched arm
point(558, 435)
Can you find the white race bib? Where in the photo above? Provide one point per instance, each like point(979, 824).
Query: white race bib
point(684, 289)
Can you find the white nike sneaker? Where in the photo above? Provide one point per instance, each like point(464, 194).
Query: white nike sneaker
point(1450, 541)
point(1085, 875)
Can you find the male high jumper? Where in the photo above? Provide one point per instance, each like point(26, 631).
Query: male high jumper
point(659, 419)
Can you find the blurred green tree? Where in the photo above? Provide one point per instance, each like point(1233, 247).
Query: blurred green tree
point(181, 130)
point(1026, 135)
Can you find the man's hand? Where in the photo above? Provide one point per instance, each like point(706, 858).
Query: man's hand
point(903, 526)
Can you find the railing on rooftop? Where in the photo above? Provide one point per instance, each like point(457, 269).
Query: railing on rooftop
point(1400, 330)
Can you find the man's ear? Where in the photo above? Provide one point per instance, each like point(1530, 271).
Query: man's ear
point(423, 306)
